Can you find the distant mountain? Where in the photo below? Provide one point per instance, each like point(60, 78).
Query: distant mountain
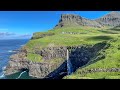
point(67, 20)
point(111, 19)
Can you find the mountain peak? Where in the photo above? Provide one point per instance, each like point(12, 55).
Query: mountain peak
point(111, 19)
point(114, 12)
point(68, 20)
point(69, 16)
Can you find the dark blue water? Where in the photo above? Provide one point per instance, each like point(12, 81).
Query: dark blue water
point(6, 50)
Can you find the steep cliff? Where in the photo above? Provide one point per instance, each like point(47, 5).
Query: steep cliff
point(112, 19)
point(69, 20)
point(54, 64)
point(53, 58)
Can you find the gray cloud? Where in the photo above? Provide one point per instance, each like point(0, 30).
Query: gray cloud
point(25, 35)
point(6, 34)
point(9, 35)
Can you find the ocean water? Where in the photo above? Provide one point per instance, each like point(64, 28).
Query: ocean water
point(7, 48)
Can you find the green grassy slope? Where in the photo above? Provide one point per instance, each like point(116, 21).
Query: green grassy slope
point(62, 37)
point(111, 60)
point(73, 36)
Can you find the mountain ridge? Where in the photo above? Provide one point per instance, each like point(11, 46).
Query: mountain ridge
point(68, 20)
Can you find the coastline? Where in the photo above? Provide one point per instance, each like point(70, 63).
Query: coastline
point(10, 51)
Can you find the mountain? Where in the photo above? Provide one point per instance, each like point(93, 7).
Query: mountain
point(111, 19)
point(68, 20)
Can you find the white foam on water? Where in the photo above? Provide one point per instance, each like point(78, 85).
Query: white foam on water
point(21, 45)
point(20, 75)
point(10, 51)
point(2, 75)
point(3, 68)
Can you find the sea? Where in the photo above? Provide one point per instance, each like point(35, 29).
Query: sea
point(8, 48)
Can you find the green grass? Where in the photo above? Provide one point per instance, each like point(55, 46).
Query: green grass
point(111, 60)
point(85, 36)
point(96, 75)
point(34, 57)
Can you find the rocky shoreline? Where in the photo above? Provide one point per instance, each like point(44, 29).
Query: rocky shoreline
point(19, 62)
point(50, 68)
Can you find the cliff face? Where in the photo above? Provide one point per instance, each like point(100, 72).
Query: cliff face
point(16, 63)
point(53, 58)
point(85, 54)
point(51, 67)
point(75, 20)
point(52, 52)
point(111, 19)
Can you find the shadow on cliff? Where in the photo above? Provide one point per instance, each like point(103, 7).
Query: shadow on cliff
point(58, 73)
point(86, 55)
point(79, 57)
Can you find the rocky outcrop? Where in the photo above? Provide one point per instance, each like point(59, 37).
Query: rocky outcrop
point(83, 55)
point(54, 63)
point(49, 53)
point(67, 20)
point(52, 66)
point(16, 63)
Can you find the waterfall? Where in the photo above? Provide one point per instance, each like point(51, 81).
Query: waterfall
point(21, 74)
point(69, 65)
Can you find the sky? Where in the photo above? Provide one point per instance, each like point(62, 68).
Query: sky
point(22, 24)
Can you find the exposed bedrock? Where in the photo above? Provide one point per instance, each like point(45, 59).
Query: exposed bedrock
point(75, 20)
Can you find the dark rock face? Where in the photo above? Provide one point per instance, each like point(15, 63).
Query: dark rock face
point(75, 20)
point(82, 55)
point(52, 52)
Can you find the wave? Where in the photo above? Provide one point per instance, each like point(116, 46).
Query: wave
point(3, 68)
point(21, 74)
point(21, 45)
point(2, 75)
point(11, 51)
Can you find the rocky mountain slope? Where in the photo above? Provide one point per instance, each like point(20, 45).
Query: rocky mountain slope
point(111, 19)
